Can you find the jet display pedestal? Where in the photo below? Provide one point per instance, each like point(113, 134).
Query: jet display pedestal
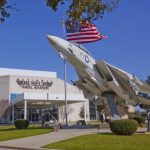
point(115, 111)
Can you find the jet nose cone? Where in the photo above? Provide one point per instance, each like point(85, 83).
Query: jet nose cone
point(52, 39)
point(59, 44)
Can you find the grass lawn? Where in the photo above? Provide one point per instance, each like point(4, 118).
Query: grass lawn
point(104, 142)
point(93, 122)
point(10, 132)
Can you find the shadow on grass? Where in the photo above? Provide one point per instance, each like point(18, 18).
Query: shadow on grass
point(10, 129)
point(15, 129)
point(112, 134)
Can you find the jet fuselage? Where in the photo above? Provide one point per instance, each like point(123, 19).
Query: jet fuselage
point(96, 78)
point(82, 61)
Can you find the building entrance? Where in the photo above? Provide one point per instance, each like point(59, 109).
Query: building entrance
point(51, 114)
point(33, 115)
point(37, 115)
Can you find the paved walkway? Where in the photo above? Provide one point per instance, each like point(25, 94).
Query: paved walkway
point(36, 142)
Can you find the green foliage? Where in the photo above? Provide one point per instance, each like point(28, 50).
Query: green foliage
point(123, 127)
point(131, 115)
point(139, 119)
point(88, 9)
point(78, 9)
point(81, 122)
point(84, 9)
point(93, 123)
point(4, 10)
point(148, 80)
point(81, 114)
point(99, 108)
point(144, 114)
point(54, 3)
point(22, 124)
point(27, 123)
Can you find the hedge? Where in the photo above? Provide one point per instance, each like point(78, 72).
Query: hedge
point(139, 119)
point(21, 124)
point(123, 127)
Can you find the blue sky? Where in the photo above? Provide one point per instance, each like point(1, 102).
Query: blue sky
point(23, 42)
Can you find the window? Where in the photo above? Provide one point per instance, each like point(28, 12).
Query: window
point(92, 109)
point(13, 96)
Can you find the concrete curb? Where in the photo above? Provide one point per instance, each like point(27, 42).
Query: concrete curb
point(22, 148)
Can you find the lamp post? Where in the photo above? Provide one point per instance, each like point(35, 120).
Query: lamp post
point(65, 87)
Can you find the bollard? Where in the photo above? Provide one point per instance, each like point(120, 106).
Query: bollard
point(56, 128)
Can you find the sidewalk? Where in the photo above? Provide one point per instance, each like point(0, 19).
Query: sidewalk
point(36, 142)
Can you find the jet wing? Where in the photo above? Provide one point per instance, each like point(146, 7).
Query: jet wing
point(145, 87)
point(126, 76)
point(86, 86)
point(115, 82)
point(86, 89)
point(142, 86)
point(130, 84)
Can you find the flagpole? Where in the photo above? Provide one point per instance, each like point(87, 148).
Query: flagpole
point(65, 86)
point(65, 81)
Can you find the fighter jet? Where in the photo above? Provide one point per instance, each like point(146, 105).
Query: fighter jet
point(100, 79)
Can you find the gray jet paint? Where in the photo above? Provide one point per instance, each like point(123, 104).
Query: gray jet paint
point(98, 79)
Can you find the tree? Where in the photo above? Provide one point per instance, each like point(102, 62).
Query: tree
point(4, 10)
point(81, 114)
point(63, 113)
point(84, 9)
point(148, 80)
point(77, 9)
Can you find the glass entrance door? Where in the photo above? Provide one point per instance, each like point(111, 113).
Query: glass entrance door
point(33, 115)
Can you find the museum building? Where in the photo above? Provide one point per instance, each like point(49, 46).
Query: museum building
point(34, 95)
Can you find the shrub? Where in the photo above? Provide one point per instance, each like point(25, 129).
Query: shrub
point(140, 119)
point(107, 120)
point(123, 127)
point(144, 114)
point(27, 123)
point(131, 115)
point(81, 122)
point(22, 124)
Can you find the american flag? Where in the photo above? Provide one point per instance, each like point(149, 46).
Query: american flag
point(82, 32)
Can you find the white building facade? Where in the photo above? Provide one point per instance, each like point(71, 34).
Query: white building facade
point(34, 95)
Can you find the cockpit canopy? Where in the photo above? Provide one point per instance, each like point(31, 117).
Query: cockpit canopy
point(82, 47)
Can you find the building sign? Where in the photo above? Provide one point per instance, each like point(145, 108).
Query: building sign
point(34, 84)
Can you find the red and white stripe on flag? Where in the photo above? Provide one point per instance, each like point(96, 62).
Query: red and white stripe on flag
point(87, 33)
